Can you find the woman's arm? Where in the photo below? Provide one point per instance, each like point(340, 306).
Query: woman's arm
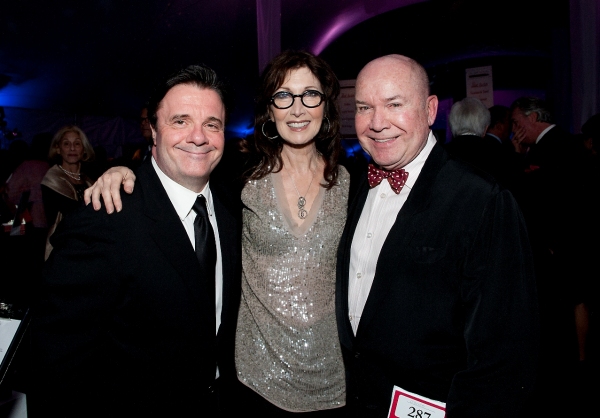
point(108, 186)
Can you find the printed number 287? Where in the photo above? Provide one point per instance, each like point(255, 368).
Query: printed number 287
point(417, 413)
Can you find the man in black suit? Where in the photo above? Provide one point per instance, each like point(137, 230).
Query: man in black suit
point(500, 127)
point(436, 294)
point(127, 324)
point(560, 215)
point(469, 119)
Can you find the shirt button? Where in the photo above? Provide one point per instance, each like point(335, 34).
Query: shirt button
point(369, 235)
point(350, 318)
point(382, 195)
point(358, 275)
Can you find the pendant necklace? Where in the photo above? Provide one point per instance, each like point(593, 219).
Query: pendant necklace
point(301, 199)
point(74, 176)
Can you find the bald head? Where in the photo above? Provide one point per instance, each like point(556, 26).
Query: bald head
point(394, 66)
point(394, 110)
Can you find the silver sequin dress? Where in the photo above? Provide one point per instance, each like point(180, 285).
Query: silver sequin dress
point(287, 346)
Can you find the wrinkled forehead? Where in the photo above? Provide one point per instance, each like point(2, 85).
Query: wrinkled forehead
point(386, 90)
point(388, 77)
point(192, 97)
point(175, 94)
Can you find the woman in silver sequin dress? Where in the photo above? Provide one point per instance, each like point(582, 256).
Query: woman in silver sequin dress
point(288, 356)
point(295, 195)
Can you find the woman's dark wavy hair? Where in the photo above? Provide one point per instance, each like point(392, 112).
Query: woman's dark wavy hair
point(265, 152)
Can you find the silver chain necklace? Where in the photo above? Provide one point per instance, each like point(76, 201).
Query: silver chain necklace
point(301, 199)
point(74, 176)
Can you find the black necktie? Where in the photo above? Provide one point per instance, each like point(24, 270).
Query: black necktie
point(206, 249)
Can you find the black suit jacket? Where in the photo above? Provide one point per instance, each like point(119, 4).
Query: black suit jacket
point(561, 213)
point(452, 311)
point(554, 192)
point(124, 325)
point(488, 154)
point(551, 150)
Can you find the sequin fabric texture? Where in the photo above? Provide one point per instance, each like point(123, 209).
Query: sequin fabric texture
point(287, 346)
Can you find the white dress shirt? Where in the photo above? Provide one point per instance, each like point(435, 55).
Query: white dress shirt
point(183, 199)
point(377, 218)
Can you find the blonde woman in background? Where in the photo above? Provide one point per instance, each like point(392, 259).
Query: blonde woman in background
point(64, 183)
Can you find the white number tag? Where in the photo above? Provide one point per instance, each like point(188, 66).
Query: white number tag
point(406, 404)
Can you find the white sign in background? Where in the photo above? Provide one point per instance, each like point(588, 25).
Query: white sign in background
point(347, 108)
point(480, 84)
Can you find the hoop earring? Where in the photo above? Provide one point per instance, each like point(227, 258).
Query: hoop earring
point(263, 132)
point(328, 124)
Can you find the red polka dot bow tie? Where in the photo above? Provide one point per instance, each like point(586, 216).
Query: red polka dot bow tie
point(396, 178)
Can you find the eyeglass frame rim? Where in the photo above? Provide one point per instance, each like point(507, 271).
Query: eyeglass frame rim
point(322, 95)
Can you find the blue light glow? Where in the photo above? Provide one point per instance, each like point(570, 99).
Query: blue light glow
point(239, 129)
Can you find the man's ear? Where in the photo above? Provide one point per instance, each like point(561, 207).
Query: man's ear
point(533, 117)
point(432, 108)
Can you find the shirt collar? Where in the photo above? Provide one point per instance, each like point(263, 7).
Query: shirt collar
point(415, 166)
point(544, 133)
point(182, 198)
point(494, 136)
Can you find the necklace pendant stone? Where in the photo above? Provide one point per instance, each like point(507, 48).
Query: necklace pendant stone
point(301, 199)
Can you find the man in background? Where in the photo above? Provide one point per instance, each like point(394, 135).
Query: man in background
point(469, 121)
point(144, 152)
point(500, 127)
point(561, 218)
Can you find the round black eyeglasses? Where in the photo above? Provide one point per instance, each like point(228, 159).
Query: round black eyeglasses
point(285, 99)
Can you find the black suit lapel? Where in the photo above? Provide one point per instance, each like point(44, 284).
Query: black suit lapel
point(168, 233)
point(402, 231)
point(228, 221)
point(420, 195)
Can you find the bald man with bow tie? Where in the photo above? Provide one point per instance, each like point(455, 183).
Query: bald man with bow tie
point(436, 300)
